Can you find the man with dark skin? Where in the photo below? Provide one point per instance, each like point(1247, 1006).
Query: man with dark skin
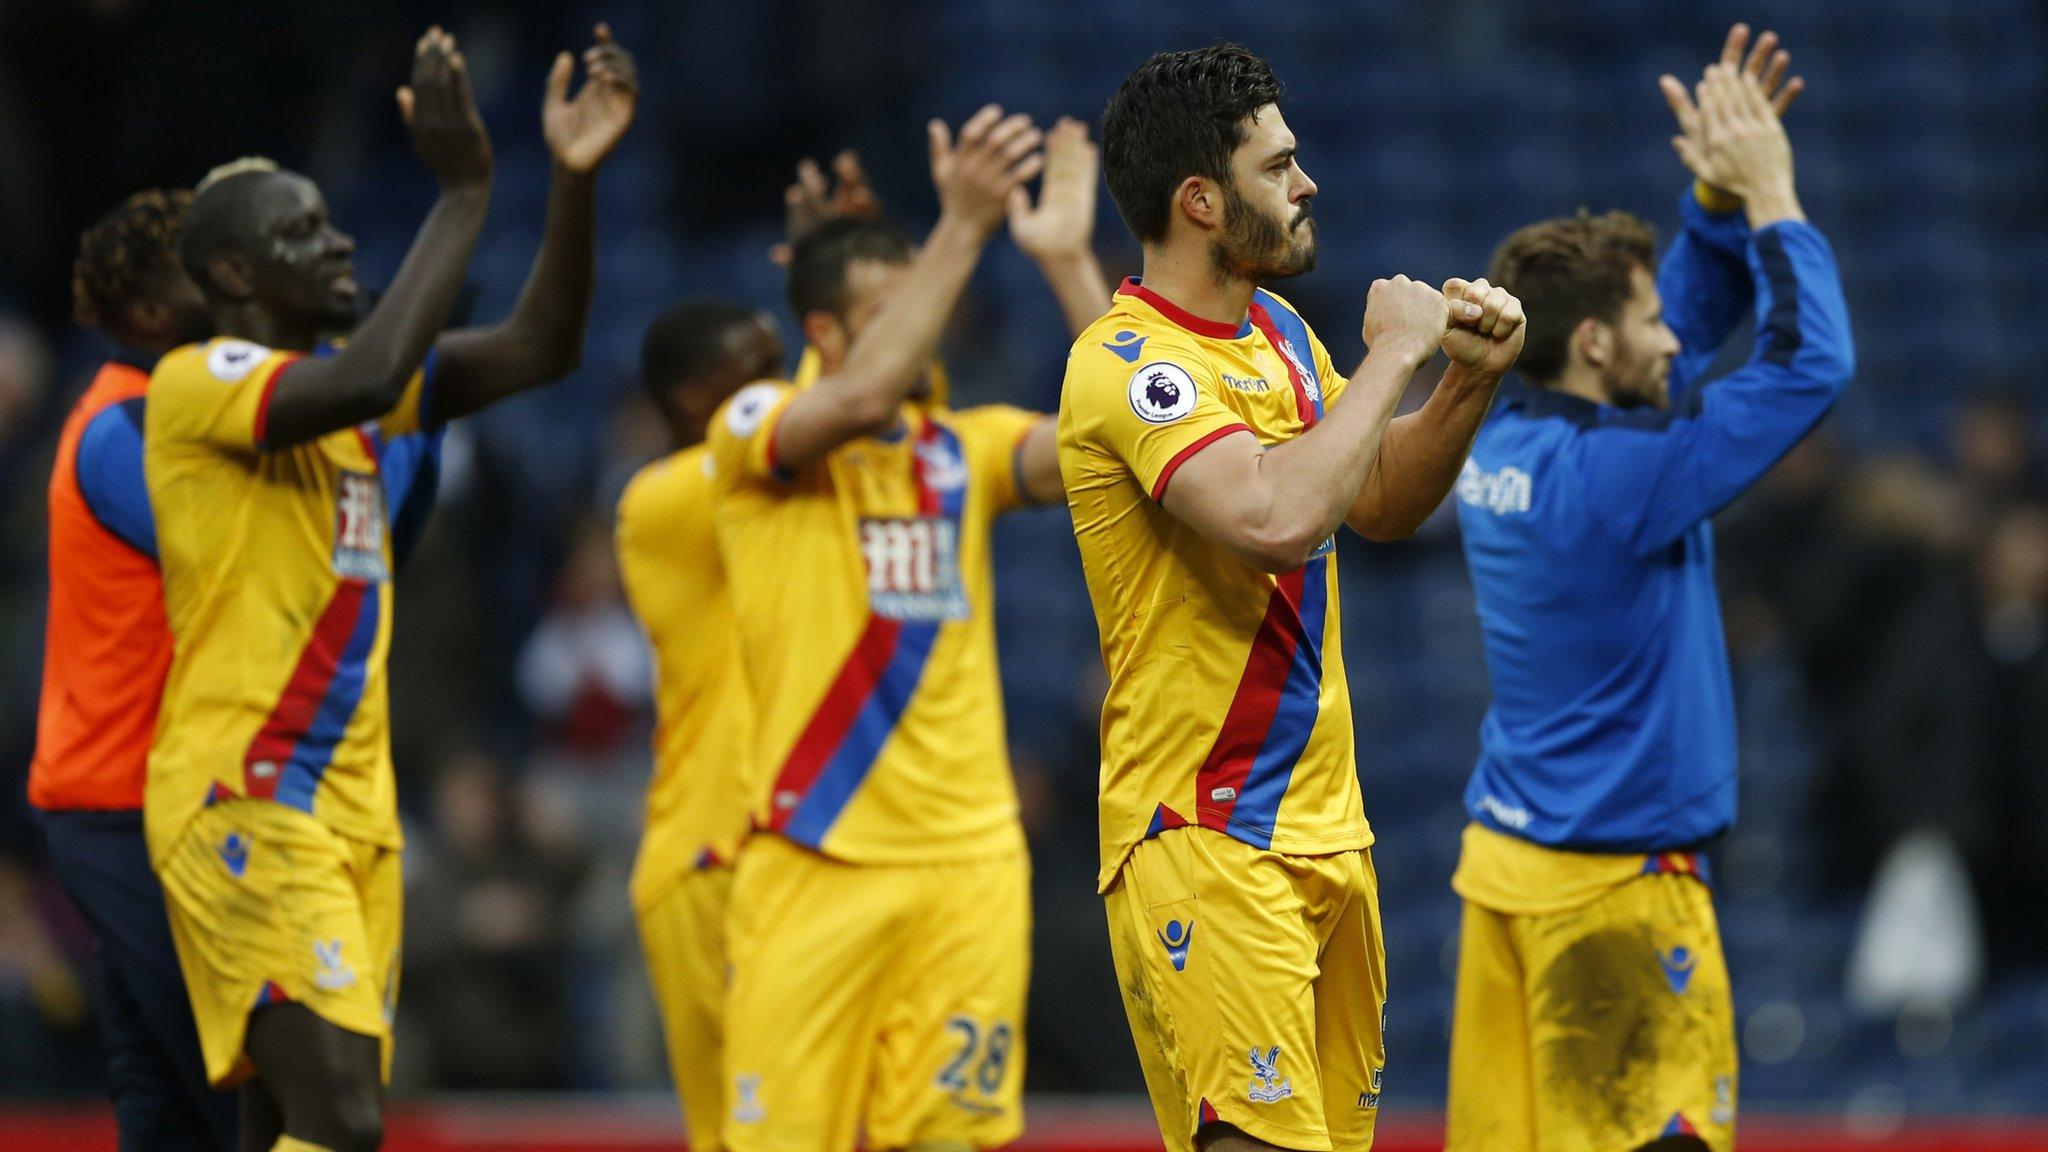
point(270, 804)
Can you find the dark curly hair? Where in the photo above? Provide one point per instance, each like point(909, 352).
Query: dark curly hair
point(125, 255)
point(1567, 270)
point(1180, 114)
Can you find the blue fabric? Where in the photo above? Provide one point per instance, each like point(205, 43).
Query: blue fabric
point(109, 472)
point(156, 1072)
point(1586, 530)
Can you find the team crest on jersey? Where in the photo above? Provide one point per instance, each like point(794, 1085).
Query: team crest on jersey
point(1162, 393)
point(359, 528)
point(943, 468)
point(1268, 1085)
point(230, 360)
point(913, 567)
point(1309, 383)
point(749, 407)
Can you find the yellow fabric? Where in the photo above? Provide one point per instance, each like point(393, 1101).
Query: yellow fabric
point(875, 1003)
point(1178, 613)
point(849, 549)
point(268, 904)
point(1273, 951)
point(1714, 199)
point(668, 561)
point(683, 935)
point(1512, 875)
point(276, 570)
point(294, 1144)
point(1591, 1029)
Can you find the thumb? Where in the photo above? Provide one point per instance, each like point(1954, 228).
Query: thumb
point(1020, 204)
point(405, 105)
point(1689, 154)
point(558, 78)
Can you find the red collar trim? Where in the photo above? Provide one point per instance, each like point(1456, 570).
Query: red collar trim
point(1213, 329)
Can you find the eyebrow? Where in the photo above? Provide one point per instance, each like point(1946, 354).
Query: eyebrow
point(1286, 153)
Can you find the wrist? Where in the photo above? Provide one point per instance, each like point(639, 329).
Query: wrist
point(1409, 352)
point(466, 187)
point(955, 226)
point(1772, 204)
point(1716, 200)
point(1065, 261)
point(564, 174)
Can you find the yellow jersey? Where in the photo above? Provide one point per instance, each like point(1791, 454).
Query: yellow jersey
point(704, 718)
point(277, 588)
point(1227, 706)
point(865, 602)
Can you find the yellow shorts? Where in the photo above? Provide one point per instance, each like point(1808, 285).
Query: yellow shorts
point(1598, 1028)
point(1256, 984)
point(878, 1005)
point(268, 905)
point(683, 934)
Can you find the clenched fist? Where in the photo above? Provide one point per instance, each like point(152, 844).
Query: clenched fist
point(1488, 343)
point(1407, 318)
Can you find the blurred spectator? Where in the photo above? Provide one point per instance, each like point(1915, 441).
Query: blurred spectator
point(487, 936)
point(46, 1041)
point(585, 673)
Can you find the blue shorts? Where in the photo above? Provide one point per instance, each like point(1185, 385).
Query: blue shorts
point(154, 1069)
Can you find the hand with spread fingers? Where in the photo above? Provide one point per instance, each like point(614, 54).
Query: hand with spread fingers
point(975, 174)
point(814, 199)
point(1489, 343)
point(1765, 66)
point(1062, 223)
point(1740, 145)
point(439, 108)
point(581, 130)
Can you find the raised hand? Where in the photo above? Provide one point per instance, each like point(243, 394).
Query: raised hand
point(1765, 64)
point(1741, 145)
point(1490, 343)
point(448, 134)
point(813, 199)
point(1408, 318)
point(995, 153)
point(582, 130)
point(1062, 223)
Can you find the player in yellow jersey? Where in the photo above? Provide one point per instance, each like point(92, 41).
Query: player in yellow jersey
point(695, 355)
point(880, 912)
point(1210, 452)
point(269, 804)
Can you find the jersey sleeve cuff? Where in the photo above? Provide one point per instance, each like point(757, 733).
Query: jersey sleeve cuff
point(260, 434)
point(1185, 454)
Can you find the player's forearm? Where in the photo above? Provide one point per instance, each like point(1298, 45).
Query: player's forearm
point(1310, 483)
point(369, 374)
point(1077, 283)
point(1420, 457)
point(889, 358)
point(554, 306)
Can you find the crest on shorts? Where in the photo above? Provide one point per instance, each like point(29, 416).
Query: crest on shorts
point(746, 1100)
point(334, 973)
point(1268, 1084)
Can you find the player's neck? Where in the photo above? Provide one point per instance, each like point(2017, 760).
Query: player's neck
point(1189, 279)
point(254, 323)
point(1583, 381)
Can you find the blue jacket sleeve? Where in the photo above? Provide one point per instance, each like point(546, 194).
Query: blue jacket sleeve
point(1653, 476)
point(110, 476)
point(1705, 285)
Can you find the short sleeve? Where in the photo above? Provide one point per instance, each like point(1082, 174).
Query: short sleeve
point(742, 433)
point(1153, 417)
point(414, 411)
point(992, 437)
point(216, 394)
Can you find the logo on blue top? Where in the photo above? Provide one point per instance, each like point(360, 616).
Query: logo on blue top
point(1678, 965)
point(234, 852)
point(1127, 345)
point(1177, 936)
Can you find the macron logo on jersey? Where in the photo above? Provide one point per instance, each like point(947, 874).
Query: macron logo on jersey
point(1508, 814)
point(1127, 345)
point(1501, 493)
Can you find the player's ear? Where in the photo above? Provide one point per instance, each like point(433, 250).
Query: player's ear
point(1594, 342)
point(1201, 201)
point(823, 331)
point(232, 274)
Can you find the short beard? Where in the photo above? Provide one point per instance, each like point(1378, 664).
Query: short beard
point(1255, 247)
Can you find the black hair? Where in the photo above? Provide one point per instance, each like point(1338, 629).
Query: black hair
point(819, 259)
point(221, 218)
point(1180, 114)
point(689, 340)
point(124, 256)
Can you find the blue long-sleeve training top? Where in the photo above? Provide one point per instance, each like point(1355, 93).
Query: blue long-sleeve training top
point(1586, 529)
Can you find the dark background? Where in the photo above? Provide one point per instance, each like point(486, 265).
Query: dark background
point(1887, 588)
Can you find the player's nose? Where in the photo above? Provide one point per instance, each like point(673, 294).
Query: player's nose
point(1307, 188)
